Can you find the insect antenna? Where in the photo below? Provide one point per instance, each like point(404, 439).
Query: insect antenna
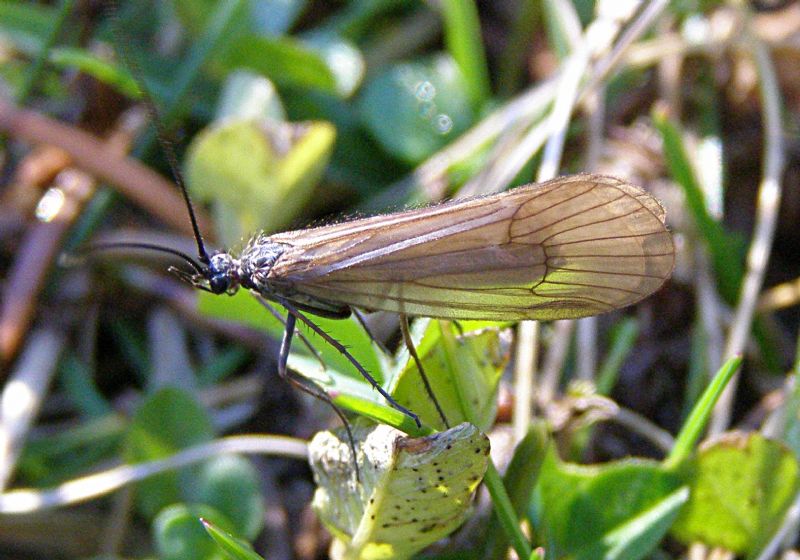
point(172, 159)
point(68, 260)
point(124, 53)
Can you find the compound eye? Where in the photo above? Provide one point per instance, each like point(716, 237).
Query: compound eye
point(219, 283)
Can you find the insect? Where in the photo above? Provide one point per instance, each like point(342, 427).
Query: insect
point(571, 247)
point(568, 248)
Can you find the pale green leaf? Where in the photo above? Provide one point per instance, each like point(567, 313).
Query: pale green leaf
point(411, 492)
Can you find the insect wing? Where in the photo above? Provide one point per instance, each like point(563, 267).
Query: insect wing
point(567, 248)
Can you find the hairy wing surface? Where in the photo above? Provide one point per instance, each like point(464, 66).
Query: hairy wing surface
point(567, 248)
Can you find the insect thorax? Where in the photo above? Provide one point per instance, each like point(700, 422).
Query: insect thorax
point(255, 272)
point(256, 262)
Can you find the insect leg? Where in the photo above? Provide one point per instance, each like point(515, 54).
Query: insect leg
point(413, 351)
point(303, 338)
point(293, 311)
point(286, 344)
point(309, 387)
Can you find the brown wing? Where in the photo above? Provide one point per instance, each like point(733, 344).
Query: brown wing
point(567, 248)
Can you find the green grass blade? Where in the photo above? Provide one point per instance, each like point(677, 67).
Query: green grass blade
point(234, 548)
point(512, 64)
point(504, 509)
point(382, 414)
point(36, 68)
point(463, 38)
point(519, 480)
point(724, 251)
point(696, 423)
point(93, 65)
point(624, 337)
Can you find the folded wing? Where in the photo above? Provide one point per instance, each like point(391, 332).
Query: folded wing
point(572, 247)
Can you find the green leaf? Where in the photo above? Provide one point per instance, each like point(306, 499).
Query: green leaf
point(96, 67)
point(638, 537)
point(588, 509)
point(336, 374)
point(230, 484)
point(357, 162)
point(247, 167)
point(463, 371)
point(286, 61)
point(234, 548)
point(221, 23)
point(413, 109)
point(412, 492)
point(343, 59)
point(741, 486)
point(166, 422)
point(249, 96)
point(179, 533)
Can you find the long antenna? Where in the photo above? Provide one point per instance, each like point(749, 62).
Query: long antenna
point(161, 132)
point(114, 245)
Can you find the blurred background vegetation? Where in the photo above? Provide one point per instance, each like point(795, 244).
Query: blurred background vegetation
point(290, 113)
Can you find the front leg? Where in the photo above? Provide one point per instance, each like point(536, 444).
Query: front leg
point(286, 345)
point(309, 387)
